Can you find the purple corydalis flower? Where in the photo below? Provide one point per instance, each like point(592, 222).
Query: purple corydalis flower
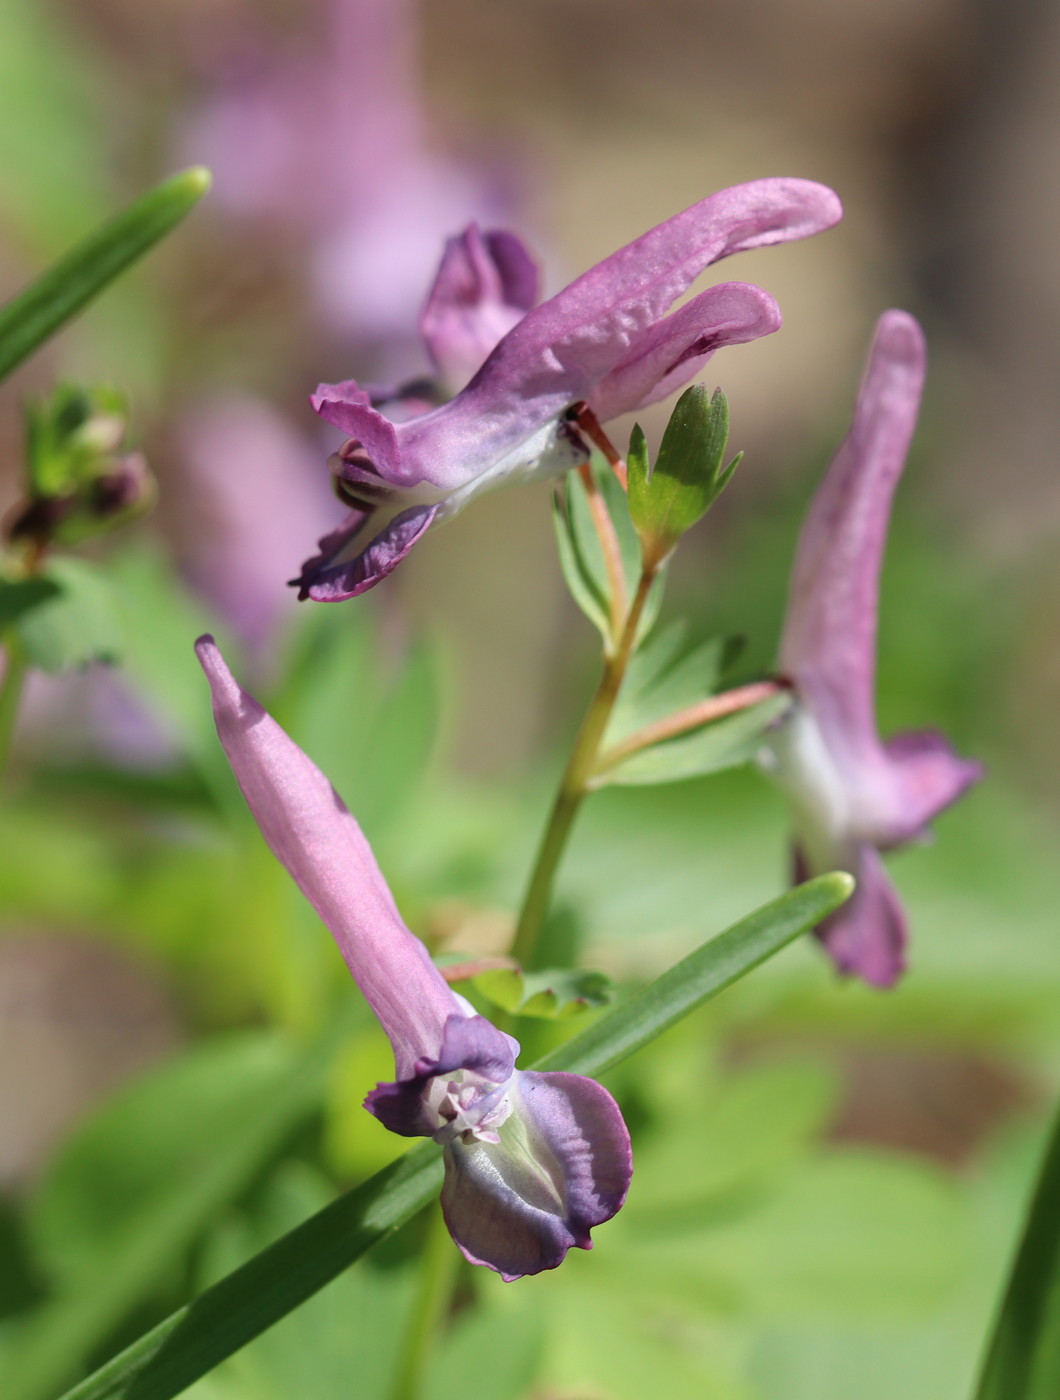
point(852, 794)
point(605, 340)
point(532, 1160)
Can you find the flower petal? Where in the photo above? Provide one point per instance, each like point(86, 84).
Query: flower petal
point(929, 775)
point(866, 937)
point(559, 351)
point(829, 643)
point(328, 582)
point(675, 349)
point(563, 1165)
point(348, 407)
point(309, 830)
point(485, 284)
point(469, 1043)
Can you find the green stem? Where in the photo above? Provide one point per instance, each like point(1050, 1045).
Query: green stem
point(10, 697)
point(439, 1272)
point(575, 781)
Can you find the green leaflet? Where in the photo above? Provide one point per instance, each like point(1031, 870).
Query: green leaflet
point(42, 308)
point(75, 622)
point(197, 1337)
point(1023, 1359)
point(724, 743)
point(553, 994)
point(688, 476)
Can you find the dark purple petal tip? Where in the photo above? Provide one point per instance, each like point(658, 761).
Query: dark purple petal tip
point(327, 582)
point(562, 1166)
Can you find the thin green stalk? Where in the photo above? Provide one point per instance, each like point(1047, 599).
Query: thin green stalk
point(10, 698)
point(437, 1279)
point(575, 781)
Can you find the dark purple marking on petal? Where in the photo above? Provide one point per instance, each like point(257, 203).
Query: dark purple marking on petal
point(562, 1166)
point(468, 1043)
point(326, 582)
point(519, 273)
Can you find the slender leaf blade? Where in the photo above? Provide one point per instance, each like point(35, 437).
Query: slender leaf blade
point(193, 1340)
point(36, 313)
point(1023, 1360)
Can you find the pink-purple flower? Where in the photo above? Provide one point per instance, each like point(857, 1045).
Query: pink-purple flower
point(853, 795)
point(532, 1160)
point(605, 340)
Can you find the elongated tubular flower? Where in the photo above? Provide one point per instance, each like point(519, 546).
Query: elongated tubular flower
point(532, 1160)
point(852, 794)
point(605, 340)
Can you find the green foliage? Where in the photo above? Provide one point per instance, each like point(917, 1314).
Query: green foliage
point(36, 313)
point(73, 624)
point(137, 1185)
point(581, 554)
point(20, 596)
point(553, 994)
point(724, 743)
point(688, 475)
point(1023, 1359)
point(245, 1303)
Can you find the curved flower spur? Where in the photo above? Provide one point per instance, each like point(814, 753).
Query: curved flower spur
point(604, 341)
point(851, 794)
point(532, 1160)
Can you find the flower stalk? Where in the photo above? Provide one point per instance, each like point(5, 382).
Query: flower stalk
point(439, 1269)
point(577, 777)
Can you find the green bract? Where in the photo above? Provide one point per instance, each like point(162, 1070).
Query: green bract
point(688, 475)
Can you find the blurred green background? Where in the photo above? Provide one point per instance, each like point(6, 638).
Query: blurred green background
point(829, 1180)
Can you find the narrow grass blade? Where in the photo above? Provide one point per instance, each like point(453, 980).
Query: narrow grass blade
point(1023, 1360)
point(192, 1341)
point(42, 308)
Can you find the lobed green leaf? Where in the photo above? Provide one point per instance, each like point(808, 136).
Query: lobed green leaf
point(688, 474)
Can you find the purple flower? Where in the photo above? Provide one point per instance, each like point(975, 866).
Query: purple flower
point(532, 1160)
point(339, 149)
point(605, 340)
point(851, 794)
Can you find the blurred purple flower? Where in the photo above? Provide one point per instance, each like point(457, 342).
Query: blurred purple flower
point(335, 148)
point(532, 1160)
point(255, 490)
point(605, 339)
point(852, 795)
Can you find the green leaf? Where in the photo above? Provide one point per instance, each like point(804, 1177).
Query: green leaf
point(36, 313)
point(1023, 1360)
point(661, 680)
point(20, 596)
point(553, 994)
point(196, 1338)
point(77, 624)
point(724, 743)
point(688, 475)
point(581, 554)
point(583, 585)
point(139, 1182)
